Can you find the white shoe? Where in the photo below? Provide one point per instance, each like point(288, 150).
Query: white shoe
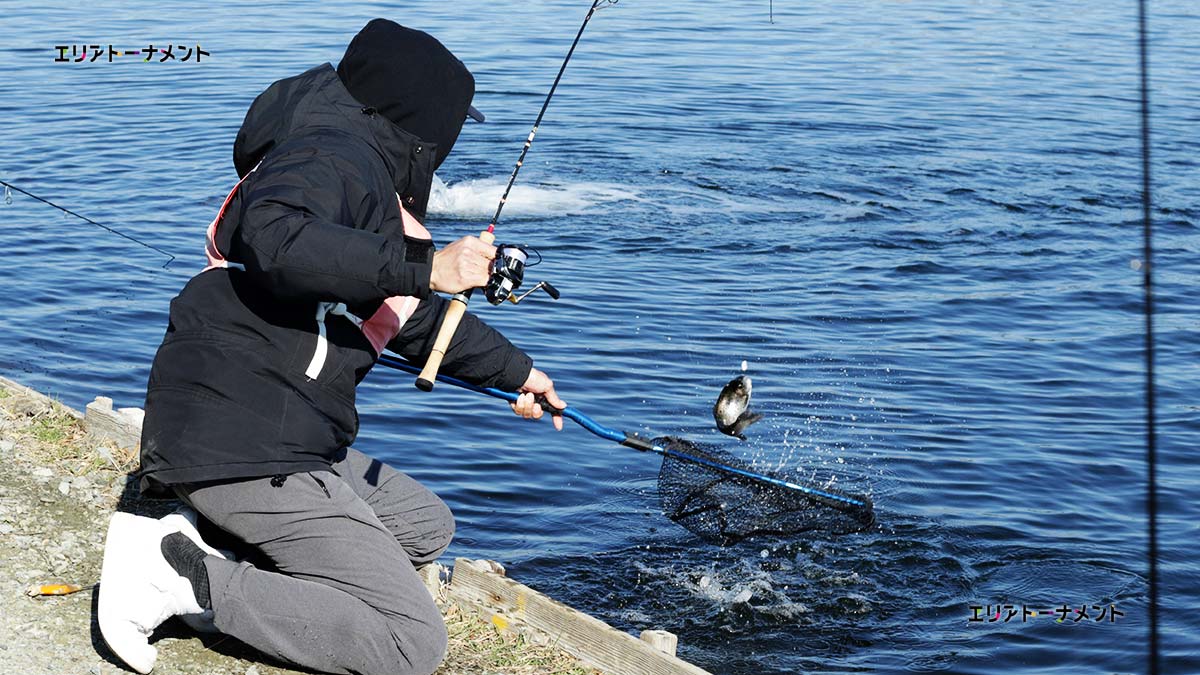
point(138, 588)
point(184, 519)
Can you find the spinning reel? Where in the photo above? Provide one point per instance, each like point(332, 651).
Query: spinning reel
point(508, 271)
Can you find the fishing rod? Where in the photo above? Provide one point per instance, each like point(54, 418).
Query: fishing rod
point(9, 187)
point(856, 504)
point(510, 260)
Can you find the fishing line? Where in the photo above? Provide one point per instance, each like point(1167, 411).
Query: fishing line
point(8, 187)
point(1148, 314)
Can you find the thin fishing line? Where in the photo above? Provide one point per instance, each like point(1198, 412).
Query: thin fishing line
point(8, 200)
point(1148, 314)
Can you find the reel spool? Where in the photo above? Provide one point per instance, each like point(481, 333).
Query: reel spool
point(508, 272)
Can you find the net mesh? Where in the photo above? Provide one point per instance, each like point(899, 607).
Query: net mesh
point(726, 508)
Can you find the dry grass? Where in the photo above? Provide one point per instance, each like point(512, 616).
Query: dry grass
point(478, 648)
point(49, 435)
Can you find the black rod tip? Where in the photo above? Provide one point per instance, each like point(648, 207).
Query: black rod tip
point(424, 384)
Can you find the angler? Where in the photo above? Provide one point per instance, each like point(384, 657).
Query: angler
point(318, 260)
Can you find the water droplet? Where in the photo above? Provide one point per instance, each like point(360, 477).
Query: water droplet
point(744, 365)
point(1135, 264)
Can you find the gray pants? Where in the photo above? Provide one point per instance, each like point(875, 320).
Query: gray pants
point(346, 597)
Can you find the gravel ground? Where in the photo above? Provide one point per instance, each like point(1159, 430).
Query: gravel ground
point(56, 497)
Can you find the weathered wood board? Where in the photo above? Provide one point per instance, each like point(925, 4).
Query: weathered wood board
point(512, 606)
point(122, 427)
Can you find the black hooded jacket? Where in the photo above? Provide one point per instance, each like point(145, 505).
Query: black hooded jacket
point(317, 221)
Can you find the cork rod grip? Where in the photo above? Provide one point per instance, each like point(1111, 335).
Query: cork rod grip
point(454, 314)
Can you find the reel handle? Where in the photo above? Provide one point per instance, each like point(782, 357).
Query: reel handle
point(454, 315)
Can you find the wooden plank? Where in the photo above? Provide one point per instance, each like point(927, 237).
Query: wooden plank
point(121, 427)
point(433, 576)
point(664, 641)
point(512, 606)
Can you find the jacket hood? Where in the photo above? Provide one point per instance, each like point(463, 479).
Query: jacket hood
point(411, 79)
point(316, 101)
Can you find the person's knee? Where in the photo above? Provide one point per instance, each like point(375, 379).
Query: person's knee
point(444, 533)
point(437, 538)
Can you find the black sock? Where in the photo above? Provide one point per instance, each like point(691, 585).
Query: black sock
point(188, 561)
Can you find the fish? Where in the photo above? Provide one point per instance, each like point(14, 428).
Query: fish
point(731, 411)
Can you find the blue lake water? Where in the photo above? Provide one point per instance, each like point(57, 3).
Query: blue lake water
point(916, 221)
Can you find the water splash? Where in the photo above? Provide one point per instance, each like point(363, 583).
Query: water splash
point(736, 595)
point(476, 199)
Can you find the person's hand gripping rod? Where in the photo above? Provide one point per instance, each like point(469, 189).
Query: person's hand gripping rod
point(454, 314)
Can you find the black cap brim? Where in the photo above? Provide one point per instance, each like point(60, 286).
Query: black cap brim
point(474, 113)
